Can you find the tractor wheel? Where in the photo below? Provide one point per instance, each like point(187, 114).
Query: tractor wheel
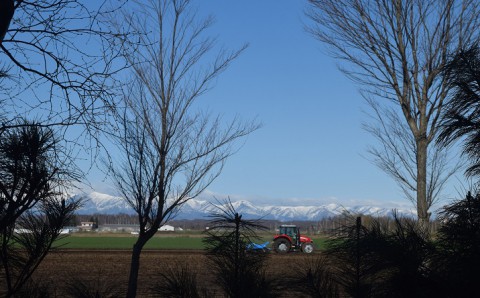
point(307, 248)
point(282, 245)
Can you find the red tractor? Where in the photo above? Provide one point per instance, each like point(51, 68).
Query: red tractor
point(289, 239)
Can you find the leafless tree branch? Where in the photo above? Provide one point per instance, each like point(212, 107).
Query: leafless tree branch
point(59, 60)
point(397, 50)
point(171, 151)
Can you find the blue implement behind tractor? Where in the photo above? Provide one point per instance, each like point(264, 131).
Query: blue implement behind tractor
point(254, 247)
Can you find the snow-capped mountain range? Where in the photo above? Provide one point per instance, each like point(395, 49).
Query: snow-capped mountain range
point(199, 209)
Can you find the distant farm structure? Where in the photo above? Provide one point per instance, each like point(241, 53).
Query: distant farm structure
point(166, 228)
point(119, 228)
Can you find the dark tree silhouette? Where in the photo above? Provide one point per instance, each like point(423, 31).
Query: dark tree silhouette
point(458, 260)
point(379, 259)
point(459, 237)
point(170, 151)
point(237, 270)
point(7, 8)
point(32, 211)
point(461, 117)
point(57, 62)
point(356, 269)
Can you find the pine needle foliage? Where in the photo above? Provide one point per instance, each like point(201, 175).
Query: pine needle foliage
point(237, 270)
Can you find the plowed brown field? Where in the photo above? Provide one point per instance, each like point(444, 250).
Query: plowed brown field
point(106, 268)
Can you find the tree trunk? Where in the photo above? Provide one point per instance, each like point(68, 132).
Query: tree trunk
point(7, 8)
point(358, 288)
point(134, 267)
point(422, 204)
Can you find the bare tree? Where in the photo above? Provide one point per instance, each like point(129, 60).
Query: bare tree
point(32, 212)
point(397, 155)
point(398, 49)
point(170, 151)
point(57, 60)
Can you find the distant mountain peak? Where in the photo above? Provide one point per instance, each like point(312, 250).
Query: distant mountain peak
point(96, 202)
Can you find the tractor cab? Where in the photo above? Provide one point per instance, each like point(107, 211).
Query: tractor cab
point(291, 231)
point(290, 239)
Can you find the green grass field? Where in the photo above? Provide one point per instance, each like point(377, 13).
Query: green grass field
point(125, 241)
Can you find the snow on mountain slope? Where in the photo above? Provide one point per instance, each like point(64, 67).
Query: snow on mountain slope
point(200, 209)
point(102, 203)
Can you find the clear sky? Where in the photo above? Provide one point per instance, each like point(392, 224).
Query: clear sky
point(311, 149)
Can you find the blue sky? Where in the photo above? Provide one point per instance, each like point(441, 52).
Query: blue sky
point(311, 149)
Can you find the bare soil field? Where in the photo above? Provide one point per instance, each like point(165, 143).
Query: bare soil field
point(108, 270)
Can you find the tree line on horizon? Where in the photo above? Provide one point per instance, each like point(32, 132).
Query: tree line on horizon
point(324, 226)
